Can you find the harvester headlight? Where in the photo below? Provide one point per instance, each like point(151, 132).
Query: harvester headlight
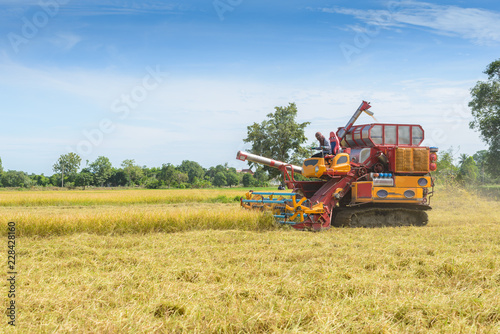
point(382, 193)
point(409, 194)
point(422, 182)
point(316, 169)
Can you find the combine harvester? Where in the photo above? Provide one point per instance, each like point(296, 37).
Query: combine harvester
point(381, 177)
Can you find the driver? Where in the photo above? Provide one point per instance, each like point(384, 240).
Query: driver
point(324, 146)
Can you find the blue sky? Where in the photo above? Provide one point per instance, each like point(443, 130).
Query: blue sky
point(166, 81)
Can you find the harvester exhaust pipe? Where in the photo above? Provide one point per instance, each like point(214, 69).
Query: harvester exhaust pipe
point(363, 107)
point(244, 156)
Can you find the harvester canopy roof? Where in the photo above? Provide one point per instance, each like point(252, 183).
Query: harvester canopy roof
point(369, 135)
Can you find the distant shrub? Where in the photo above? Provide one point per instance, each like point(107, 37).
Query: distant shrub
point(152, 183)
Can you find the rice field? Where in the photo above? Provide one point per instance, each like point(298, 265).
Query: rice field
point(9, 198)
point(206, 266)
point(50, 213)
point(116, 220)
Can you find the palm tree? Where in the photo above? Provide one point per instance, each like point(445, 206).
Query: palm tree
point(462, 159)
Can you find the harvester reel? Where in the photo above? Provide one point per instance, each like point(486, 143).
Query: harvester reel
point(302, 211)
point(289, 208)
point(297, 208)
point(256, 205)
point(278, 208)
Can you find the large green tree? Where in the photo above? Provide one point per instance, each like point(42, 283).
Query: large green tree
point(102, 169)
point(192, 169)
point(67, 164)
point(468, 171)
point(180, 178)
point(248, 180)
point(119, 178)
point(167, 174)
point(133, 172)
point(84, 179)
point(279, 137)
point(212, 171)
point(485, 107)
point(14, 178)
point(220, 179)
point(232, 178)
point(40, 180)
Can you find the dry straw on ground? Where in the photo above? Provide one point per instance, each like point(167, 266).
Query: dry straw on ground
point(442, 278)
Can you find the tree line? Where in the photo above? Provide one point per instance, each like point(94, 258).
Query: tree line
point(101, 173)
point(465, 170)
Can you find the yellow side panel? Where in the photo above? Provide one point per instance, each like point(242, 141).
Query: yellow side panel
point(397, 195)
point(387, 194)
point(411, 181)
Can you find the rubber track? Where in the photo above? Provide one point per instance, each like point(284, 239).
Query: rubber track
point(379, 217)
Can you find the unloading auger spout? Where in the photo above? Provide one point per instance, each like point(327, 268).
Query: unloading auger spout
point(244, 156)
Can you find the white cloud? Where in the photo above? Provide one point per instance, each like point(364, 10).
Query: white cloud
point(94, 7)
point(65, 41)
point(111, 7)
point(19, 2)
point(99, 86)
point(479, 25)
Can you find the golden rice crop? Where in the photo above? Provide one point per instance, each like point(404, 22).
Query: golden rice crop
point(116, 197)
point(47, 221)
point(107, 215)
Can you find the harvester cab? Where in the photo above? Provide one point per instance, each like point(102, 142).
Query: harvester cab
point(330, 165)
point(381, 177)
